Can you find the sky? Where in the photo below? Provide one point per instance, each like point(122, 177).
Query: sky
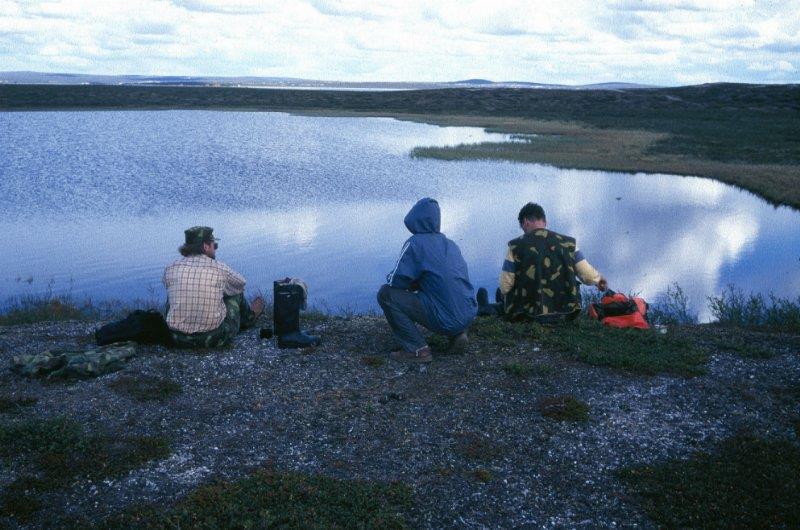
point(662, 42)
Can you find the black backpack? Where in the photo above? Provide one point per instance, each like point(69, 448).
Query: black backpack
point(144, 327)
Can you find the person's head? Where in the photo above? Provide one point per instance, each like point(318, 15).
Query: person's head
point(425, 217)
point(531, 217)
point(199, 240)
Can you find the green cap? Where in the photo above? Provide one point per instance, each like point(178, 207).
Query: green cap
point(199, 234)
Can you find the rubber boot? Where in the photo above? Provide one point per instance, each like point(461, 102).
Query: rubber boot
point(286, 317)
point(486, 309)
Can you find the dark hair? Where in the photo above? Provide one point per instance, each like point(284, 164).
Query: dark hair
point(531, 212)
point(191, 249)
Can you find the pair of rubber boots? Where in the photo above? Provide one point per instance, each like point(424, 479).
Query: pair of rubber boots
point(487, 309)
point(289, 299)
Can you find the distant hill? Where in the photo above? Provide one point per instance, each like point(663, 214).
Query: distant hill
point(43, 78)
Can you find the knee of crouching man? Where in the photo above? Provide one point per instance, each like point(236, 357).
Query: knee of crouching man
point(384, 293)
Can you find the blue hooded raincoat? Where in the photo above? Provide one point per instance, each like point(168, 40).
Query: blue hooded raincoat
point(433, 265)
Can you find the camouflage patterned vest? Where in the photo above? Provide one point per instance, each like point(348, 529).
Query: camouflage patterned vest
point(545, 287)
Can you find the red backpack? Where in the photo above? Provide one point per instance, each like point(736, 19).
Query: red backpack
point(619, 311)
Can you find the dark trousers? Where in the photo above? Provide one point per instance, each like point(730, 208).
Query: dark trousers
point(238, 316)
point(404, 310)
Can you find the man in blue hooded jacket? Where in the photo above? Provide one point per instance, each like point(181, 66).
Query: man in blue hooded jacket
point(428, 286)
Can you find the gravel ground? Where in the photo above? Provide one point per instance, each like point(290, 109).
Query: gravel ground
point(328, 411)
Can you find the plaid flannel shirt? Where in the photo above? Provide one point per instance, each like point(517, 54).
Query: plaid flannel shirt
point(195, 287)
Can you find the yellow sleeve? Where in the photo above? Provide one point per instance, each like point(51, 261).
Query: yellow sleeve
point(507, 273)
point(588, 274)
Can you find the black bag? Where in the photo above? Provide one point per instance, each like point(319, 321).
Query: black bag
point(144, 327)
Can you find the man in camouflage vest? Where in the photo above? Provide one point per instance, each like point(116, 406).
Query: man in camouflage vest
point(538, 280)
point(206, 306)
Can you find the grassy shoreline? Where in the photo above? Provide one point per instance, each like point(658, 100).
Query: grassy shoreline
point(744, 135)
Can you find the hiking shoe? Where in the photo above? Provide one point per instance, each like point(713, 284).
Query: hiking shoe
point(459, 343)
point(483, 297)
point(422, 355)
point(257, 306)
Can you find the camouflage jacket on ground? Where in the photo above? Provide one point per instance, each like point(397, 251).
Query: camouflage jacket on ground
point(545, 286)
point(79, 364)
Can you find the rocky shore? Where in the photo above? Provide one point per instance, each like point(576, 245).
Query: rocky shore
point(471, 435)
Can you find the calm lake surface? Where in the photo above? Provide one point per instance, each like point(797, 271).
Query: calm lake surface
point(95, 204)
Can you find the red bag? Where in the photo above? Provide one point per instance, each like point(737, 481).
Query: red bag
point(619, 311)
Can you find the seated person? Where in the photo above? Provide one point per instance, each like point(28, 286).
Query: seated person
point(538, 280)
point(206, 306)
point(428, 286)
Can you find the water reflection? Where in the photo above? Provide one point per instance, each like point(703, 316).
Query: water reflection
point(324, 199)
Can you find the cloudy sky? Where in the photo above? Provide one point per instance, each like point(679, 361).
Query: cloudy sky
point(668, 42)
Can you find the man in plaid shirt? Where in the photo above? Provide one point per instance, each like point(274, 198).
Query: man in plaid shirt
point(206, 306)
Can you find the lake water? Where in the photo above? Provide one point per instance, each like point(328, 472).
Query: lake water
point(95, 203)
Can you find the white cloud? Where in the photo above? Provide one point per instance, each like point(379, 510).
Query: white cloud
point(778, 66)
point(230, 7)
point(583, 41)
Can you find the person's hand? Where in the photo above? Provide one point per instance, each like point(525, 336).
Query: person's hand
point(602, 284)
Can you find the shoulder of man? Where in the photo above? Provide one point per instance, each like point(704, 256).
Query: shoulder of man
point(177, 263)
point(560, 236)
point(516, 241)
point(221, 265)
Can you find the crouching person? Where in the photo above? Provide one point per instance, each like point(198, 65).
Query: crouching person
point(428, 286)
point(206, 306)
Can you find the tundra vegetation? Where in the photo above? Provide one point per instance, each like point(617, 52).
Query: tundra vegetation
point(49, 454)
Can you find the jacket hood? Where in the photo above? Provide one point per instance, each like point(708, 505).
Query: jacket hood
point(424, 217)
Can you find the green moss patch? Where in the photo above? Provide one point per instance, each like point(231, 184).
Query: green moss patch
point(270, 499)
point(482, 475)
point(522, 369)
point(746, 483)
point(58, 451)
point(631, 350)
point(474, 446)
point(747, 350)
point(14, 404)
point(373, 361)
point(563, 408)
point(496, 333)
point(146, 388)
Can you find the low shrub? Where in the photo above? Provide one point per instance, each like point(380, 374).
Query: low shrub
point(482, 475)
point(564, 408)
point(745, 483)
point(734, 308)
point(499, 333)
point(744, 348)
point(671, 308)
point(523, 369)
point(631, 350)
point(474, 446)
point(58, 451)
point(48, 307)
point(13, 404)
point(146, 388)
point(51, 306)
point(270, 499)
point(373, 361)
